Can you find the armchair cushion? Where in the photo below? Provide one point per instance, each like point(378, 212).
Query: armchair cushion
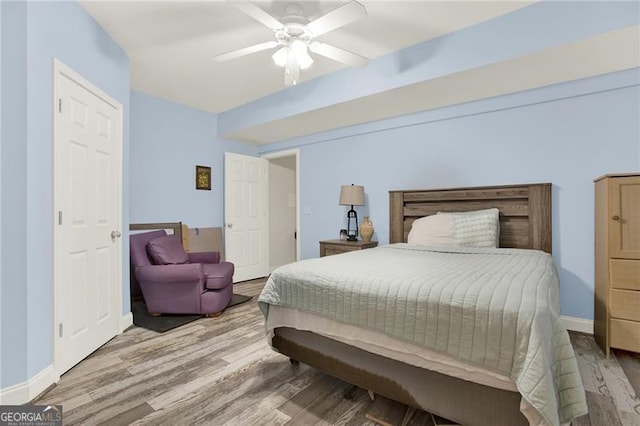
point(155, 274)
point(218, 275)
point(167, 251)
point(204, 257)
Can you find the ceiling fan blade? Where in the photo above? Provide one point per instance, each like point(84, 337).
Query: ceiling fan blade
point(339, 17)
point(246, 51)
point(338, 54)
point(291, 72)
point(258, 14)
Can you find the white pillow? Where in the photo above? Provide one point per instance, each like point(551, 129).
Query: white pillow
point(436, 230)
point(478, 228)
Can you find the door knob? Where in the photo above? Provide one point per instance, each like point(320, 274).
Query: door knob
point(616, 217)
point(115, 234)
point(229, 225)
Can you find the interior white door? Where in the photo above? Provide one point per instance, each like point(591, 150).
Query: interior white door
point(246, 224)
point(87, 202)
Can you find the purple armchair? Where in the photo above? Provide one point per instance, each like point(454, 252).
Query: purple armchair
point(202, 286)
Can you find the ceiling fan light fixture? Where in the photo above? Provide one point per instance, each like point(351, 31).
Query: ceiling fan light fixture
point(304, 60)
point(280, 57)
point(299, 52)
point(295, 36)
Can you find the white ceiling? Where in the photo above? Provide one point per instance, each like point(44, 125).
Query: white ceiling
point(172, 43)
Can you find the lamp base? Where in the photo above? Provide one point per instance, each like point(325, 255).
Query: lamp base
point(352, 233)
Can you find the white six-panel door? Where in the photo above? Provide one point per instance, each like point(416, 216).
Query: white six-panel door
point(246, 224)
point(87, 203)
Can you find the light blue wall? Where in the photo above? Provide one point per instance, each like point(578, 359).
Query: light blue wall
point(46, 30)
point(167, 141)
point(566, 134)
point(13, 312)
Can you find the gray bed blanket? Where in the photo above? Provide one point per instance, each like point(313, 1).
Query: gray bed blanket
point(494, 308)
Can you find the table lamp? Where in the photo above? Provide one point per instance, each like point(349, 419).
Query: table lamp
point(352, 195)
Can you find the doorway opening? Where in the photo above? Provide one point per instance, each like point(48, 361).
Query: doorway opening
point(284, 218)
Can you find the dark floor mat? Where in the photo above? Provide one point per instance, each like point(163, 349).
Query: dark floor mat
point(237, 299)
point(167, 322)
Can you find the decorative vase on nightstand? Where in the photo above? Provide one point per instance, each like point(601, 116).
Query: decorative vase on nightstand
point(366, 230)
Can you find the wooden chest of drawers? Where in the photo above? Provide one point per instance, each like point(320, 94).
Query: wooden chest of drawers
point(617, 262)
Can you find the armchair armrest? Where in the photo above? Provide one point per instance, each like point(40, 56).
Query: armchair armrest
point(190, 272)
point(204, 257)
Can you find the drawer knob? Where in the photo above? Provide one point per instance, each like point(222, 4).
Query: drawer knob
point(616, 217)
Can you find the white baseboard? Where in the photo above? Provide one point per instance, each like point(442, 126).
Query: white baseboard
point(126, 321)
point(26, 391)
point(577, 324)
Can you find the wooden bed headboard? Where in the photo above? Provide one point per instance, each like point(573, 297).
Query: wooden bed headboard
point(525, 211)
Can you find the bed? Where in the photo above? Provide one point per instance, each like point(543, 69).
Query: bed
point(376, 319)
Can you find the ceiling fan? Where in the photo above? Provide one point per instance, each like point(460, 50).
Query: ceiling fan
point(295, 36)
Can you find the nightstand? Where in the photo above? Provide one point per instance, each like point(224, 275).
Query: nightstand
point(329, 247)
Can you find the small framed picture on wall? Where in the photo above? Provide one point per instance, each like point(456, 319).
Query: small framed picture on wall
point(203, 177)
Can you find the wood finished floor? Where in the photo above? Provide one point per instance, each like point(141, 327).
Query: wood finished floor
point(218, 371)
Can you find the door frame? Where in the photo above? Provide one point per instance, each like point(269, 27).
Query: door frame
point(288, 153)
point(61, 70)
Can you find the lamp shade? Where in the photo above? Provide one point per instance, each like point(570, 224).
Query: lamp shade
point(352, 195)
